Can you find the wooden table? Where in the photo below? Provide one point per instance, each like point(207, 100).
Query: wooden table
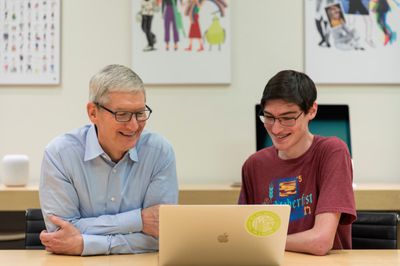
point(343, 257)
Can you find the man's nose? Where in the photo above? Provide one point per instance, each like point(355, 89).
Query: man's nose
point(133, 123)
point(276, 127)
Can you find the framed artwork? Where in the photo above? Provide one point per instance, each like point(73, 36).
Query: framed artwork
point(181, 41)
point(29, 41)
point(352, 41)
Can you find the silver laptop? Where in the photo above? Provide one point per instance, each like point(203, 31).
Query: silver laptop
point(223, 234)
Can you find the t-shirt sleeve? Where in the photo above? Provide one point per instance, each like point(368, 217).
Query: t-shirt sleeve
point(243, 196)
point(336, 179)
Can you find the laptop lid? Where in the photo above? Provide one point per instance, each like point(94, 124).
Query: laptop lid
point(223, 234)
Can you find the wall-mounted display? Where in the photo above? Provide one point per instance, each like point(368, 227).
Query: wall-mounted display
point(29, 41)
point(181, 41)
point(352, 41)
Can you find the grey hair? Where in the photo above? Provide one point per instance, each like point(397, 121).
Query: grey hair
point(114, 78)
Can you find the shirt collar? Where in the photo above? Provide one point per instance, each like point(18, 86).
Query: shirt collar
point(133, 154)
point(93, 148)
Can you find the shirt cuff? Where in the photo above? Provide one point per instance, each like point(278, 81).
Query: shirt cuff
point(95, 245)
point(131, 221)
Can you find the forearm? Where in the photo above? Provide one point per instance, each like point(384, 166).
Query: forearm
point(319, 239)
point(308, 241)
point(118, 244)
point(121, 223)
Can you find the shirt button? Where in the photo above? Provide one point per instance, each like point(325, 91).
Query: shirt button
point(114, 170)
point(112, 198)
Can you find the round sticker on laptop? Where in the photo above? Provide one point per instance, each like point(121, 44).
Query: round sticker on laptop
point(263, 223)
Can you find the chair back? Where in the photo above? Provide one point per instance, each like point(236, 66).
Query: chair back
point(375, 230)
point(33, 226)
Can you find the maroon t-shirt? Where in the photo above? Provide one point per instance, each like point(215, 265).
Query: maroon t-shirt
point(317, 182)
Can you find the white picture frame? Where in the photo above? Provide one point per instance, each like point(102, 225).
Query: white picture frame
point(176, 64)
point(30, 42)
point(355, 50)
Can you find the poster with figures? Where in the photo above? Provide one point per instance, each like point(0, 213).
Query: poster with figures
point(30, 41)
point(352, 41)
point(181, 41)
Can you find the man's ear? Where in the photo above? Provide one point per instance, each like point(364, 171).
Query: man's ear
point(92, 112)
point(313, 111)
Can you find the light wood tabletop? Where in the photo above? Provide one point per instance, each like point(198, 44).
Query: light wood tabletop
point(342, 257)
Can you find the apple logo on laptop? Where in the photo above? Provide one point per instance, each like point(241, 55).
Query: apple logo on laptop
point(224, 238)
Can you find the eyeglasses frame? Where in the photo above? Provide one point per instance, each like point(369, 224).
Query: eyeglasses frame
point(262, 118)
point(132, 113)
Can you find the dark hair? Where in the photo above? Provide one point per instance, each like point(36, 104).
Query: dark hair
point(292, 87)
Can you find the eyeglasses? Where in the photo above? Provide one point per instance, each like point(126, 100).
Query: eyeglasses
point(284, 121)
point(125, 116)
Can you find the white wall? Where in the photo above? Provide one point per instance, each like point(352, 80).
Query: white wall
point(211, 127)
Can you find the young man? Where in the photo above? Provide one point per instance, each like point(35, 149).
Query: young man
point(311, 173)
point(101, 185)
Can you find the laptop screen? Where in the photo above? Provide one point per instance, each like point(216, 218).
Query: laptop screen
point(331, 120)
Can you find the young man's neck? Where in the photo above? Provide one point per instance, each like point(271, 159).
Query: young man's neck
point(300, 148)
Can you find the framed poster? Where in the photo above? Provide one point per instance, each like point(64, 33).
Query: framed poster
point(30, 41)
point(352, 41)
point(181, 41)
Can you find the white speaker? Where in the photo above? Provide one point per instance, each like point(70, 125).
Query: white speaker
point(15, 169)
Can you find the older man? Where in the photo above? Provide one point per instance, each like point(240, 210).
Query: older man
point(101, 185)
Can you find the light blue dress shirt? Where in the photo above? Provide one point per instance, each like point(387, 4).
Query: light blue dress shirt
point(103, 199)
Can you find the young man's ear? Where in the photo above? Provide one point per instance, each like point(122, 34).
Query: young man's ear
point(92, 110)
point(313, 111)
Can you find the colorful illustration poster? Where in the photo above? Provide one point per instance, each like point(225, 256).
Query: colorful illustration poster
point(29, 41)
point(352, 41)
point(181, 41)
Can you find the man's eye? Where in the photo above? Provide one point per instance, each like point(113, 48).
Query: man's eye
point(123, 114)
point(286, 118)
point(141, 114)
